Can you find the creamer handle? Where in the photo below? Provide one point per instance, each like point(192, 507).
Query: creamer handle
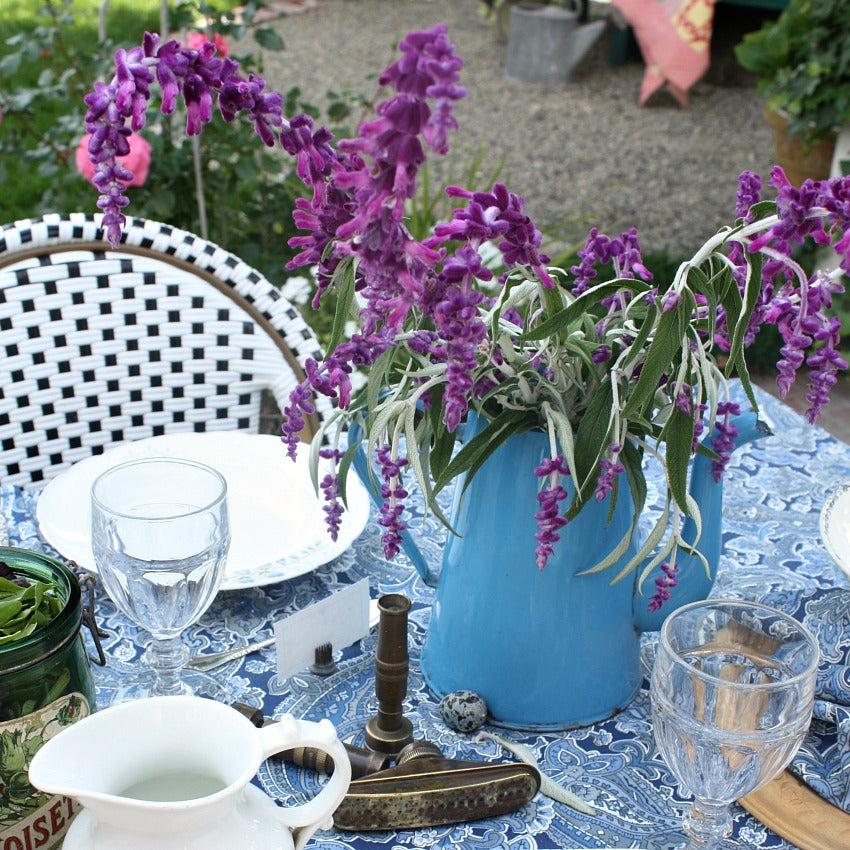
point(317, 813)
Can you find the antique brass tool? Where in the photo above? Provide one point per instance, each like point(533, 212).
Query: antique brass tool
point(426, 789)
point(389, 730)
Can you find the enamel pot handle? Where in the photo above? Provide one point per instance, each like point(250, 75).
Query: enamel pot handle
point(317, 813)
point(370, 480)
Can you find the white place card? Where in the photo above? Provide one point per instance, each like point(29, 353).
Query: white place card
point(340, 619)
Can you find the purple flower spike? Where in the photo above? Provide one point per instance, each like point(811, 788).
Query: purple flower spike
point(196, 75)
point(668, 579)
point(670, 300)
point(329, 486)
point(723, 442)
point(393, 495)
point(609, 470)
point(548, 516)
point(599, 249)
point(300, 402)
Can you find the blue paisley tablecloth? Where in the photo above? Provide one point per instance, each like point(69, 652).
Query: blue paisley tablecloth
point(773, 496)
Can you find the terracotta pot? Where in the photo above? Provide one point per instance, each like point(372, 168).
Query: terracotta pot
point(798, 159)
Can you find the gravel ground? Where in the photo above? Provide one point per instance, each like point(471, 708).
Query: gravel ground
point(586, 152)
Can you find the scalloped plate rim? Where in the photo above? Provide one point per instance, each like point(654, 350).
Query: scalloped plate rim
point(832, 510)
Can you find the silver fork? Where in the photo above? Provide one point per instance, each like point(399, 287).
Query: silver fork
point(211, 660)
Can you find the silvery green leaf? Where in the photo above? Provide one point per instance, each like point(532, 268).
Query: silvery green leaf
point(660, 556)
point(548, 786)
point(652, 540)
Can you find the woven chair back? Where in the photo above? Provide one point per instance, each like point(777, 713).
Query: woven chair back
point(167, 334)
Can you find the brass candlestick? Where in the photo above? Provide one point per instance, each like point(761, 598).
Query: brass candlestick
point(388, 731)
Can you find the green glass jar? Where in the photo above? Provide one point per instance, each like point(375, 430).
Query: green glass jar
point(45, 685)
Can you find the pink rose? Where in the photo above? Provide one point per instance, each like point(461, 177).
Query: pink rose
point(196, 40)
point(136, 161)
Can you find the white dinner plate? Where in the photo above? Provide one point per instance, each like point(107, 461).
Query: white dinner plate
point(277, 522)
point(835, 527)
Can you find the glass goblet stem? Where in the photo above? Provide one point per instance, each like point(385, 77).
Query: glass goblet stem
point(167, 657)
point(707, 824)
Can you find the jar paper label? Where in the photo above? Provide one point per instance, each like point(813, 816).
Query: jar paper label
point(29, 818)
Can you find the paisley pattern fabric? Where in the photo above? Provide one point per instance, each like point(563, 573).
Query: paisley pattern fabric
point(772, 551)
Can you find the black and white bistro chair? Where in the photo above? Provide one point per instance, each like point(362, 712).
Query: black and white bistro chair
point(167, 334)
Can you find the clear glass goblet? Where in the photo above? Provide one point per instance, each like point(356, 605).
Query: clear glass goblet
point(732, 691)
point(160, 535)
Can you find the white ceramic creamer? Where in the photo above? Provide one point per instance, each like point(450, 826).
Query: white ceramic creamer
point(175, 773)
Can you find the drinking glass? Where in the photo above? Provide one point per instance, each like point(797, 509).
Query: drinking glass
point(160, 535)
point(732, 691)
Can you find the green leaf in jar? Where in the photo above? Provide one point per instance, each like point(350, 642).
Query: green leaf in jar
point(25, 605)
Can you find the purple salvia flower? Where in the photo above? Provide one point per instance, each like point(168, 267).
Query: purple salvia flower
point(459, 324)
point(495, 215)
point(670, 300)
point(824, 363)
point(663, 585)
point(699, 426)
point(300, 402)
point(196, 75)
point(601, 354)
point(329, 486)
point(609, 470)
point(793, 206)
point(724, 441)
point(599, 249)
point(429, 69)
point(749, 194)
point(548, 516)
point(684, 400)
point(393, 495)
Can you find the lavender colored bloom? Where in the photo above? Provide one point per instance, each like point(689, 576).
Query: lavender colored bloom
point(684, 400)
point(723, 442)
point(548, 516)
point(668, 579)
point(793, 205)
point(458, 323)
point(498, 214)
point(609, 470)
point(393, 495)
point(824, 363)
point(196, 75)
point(329, 486)
point(599, 249)
point(300, 402)
point(749, 193)
point(670, 300)
point(429, 69)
